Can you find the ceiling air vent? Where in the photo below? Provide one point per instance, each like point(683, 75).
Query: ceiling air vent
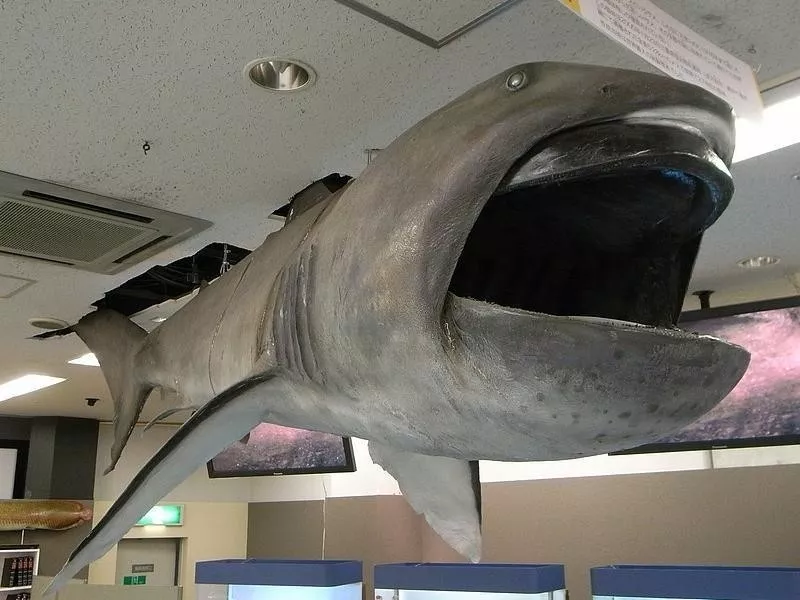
point(82, 230)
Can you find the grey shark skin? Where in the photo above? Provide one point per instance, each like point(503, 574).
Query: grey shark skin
point(345, 322)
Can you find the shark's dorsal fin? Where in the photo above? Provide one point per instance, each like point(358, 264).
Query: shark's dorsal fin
point(446, 491)
point(320, 191)
point(115, 340)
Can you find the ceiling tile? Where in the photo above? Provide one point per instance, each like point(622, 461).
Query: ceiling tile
point(435, 19)
point(10, 285)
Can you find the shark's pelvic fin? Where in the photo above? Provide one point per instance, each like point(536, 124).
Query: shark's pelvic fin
point(115, 341)
point(446, 491)
point(168, 413)
point(222, 421)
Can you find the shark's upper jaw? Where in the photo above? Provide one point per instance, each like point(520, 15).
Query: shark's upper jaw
point(603, 220)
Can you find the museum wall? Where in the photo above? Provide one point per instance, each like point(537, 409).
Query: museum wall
point(756, 287)
point(15, 428)
point(60, 465)
point(737, 516)
point(591, 511)
point(372, 529)
point(368, 480)
point(139, 449)
point(210, 531)
point(371, 480)
point(215, 511)
point(55, 546)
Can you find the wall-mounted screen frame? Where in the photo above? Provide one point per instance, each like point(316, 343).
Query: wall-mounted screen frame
point(764, 408)
point(275, 450)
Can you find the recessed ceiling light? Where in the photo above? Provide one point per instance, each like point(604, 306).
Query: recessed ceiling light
point(87, 360)
point(26, 384)
point(47, 323)
point(280, 74)
point(758, 262)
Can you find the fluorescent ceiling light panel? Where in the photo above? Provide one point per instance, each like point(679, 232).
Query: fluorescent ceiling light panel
point(87, 360)
point(26, 384)
point(779, 128)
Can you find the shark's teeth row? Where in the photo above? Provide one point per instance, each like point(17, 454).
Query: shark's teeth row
point(610, 322)
point(620, 323)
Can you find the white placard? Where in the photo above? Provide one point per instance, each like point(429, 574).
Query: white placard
point(675, 49)
point(8, 469)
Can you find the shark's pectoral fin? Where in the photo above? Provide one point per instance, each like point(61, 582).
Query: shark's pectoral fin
point(446, 491)
point(221, 422)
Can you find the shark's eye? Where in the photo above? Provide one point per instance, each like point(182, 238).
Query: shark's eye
point(516, 81)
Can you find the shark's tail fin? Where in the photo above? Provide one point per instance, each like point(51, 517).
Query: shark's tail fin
point(115, 341)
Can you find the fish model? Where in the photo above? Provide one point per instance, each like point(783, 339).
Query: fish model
point(501, 283)
point(56, 515)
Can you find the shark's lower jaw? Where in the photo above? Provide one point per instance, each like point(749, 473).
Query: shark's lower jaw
point(602, 221)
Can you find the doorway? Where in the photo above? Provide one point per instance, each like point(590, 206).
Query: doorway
point(148, 561)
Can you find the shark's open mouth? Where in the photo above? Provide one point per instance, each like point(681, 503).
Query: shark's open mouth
point(601, 221)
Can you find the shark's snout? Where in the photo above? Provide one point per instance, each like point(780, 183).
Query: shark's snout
point(600, 220)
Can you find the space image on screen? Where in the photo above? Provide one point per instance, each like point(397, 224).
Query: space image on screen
point(764, 408)
point(275, 450)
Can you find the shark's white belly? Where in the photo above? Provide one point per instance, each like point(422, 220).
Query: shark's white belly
point(469, 427)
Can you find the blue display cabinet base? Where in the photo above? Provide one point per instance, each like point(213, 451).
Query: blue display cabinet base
point(255, 579)
point(663, 582)
point(454, 581)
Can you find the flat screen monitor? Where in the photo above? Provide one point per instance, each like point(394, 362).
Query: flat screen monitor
point(764, 408)
point(275, 450)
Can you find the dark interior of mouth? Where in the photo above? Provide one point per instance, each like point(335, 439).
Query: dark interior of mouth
point(619, 246)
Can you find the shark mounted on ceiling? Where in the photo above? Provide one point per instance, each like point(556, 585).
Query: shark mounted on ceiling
point(501, 283)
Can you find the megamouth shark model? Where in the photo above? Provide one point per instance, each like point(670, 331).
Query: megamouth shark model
point(501, 283)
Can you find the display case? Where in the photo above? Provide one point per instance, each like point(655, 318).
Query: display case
point(20, 564)
point(452, 581)
point(257, 579)
point(677, 582)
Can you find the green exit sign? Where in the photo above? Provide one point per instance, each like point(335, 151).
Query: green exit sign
point(134, 580)
point(170, 515)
